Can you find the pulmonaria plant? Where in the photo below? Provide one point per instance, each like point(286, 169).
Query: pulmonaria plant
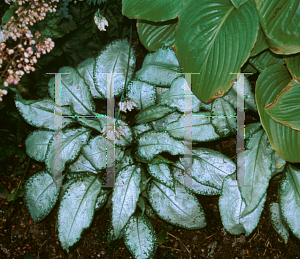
point(152, 176)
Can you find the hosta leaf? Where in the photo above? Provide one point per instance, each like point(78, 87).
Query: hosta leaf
point(204, 38)
point(152, 10)
point(74, 91)
point(96, 152)
point(67, 151)
point(152, 143)
point(231, 206)
point(143, 94)
point(154, 35)
point(293, 65)
point(286, 107)
point(125, 197)
point(41, 113)
point(176, 98)
point(37, 144)
point(278, 222)
point(113, 59)
point(280, 22)
point(257, 166)
point(152, 113)
point(140, 237)
point(161, 124)
point(209, 167)
point(202, 129)
point(260, 44)
point(266, 59)
point(160, 67)
point(238, 3)
point(290, 198)
point(161, 172)
point(224, 126)
point(41, 195)
point(186, 180)
point(76, 210)
point(85, 69)
point(284, 140)
point(180, 208)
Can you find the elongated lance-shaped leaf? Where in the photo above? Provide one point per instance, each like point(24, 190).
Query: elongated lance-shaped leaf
point(278, 222)
point(152, 113)
point(102, 198)
point(266, 59)
point(160, 67)
point(286, 107)
point(73, 91)
point(209, 167)
point(202, 128)
point(154, 35)
point(37, 144)
point(76, 210)
point(41, 113)
point(231, 206)
point(180, 208)
point(41, 195)
point(161, 172)
point(258, 165)
point(205, 43)
point(293, 65)
point(176, 98)
point(140, 237)
point(152, 143)
point(284, 140)
point(113, 59)
point(290, 198)
point(280, 22)
point(143, 94)
point(125, 197)
point(72, 142)
point(152, 10)
point(186, 180)
point(260, 44)
point(86, 69)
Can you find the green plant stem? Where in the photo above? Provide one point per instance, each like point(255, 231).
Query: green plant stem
point(20, 183)
point(122, 97)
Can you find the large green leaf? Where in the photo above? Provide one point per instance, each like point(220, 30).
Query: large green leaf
point(278, 222)
point(59, 153)
point(125, 197)
point(280, 22)
point(154, 35)
point(286, 108)
point(205, 43)
point(260, 44)
point(290, 199)
point(37, 144)
point(257, 166)
point(140, 237)
point(41, 195)
point(179, 208)
point(265, 59)
point(76, 210)
point(231, 206)
point(238, 3)
point(284, 140)
point(41, 113)
point(152, 10)
point(293, 65)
